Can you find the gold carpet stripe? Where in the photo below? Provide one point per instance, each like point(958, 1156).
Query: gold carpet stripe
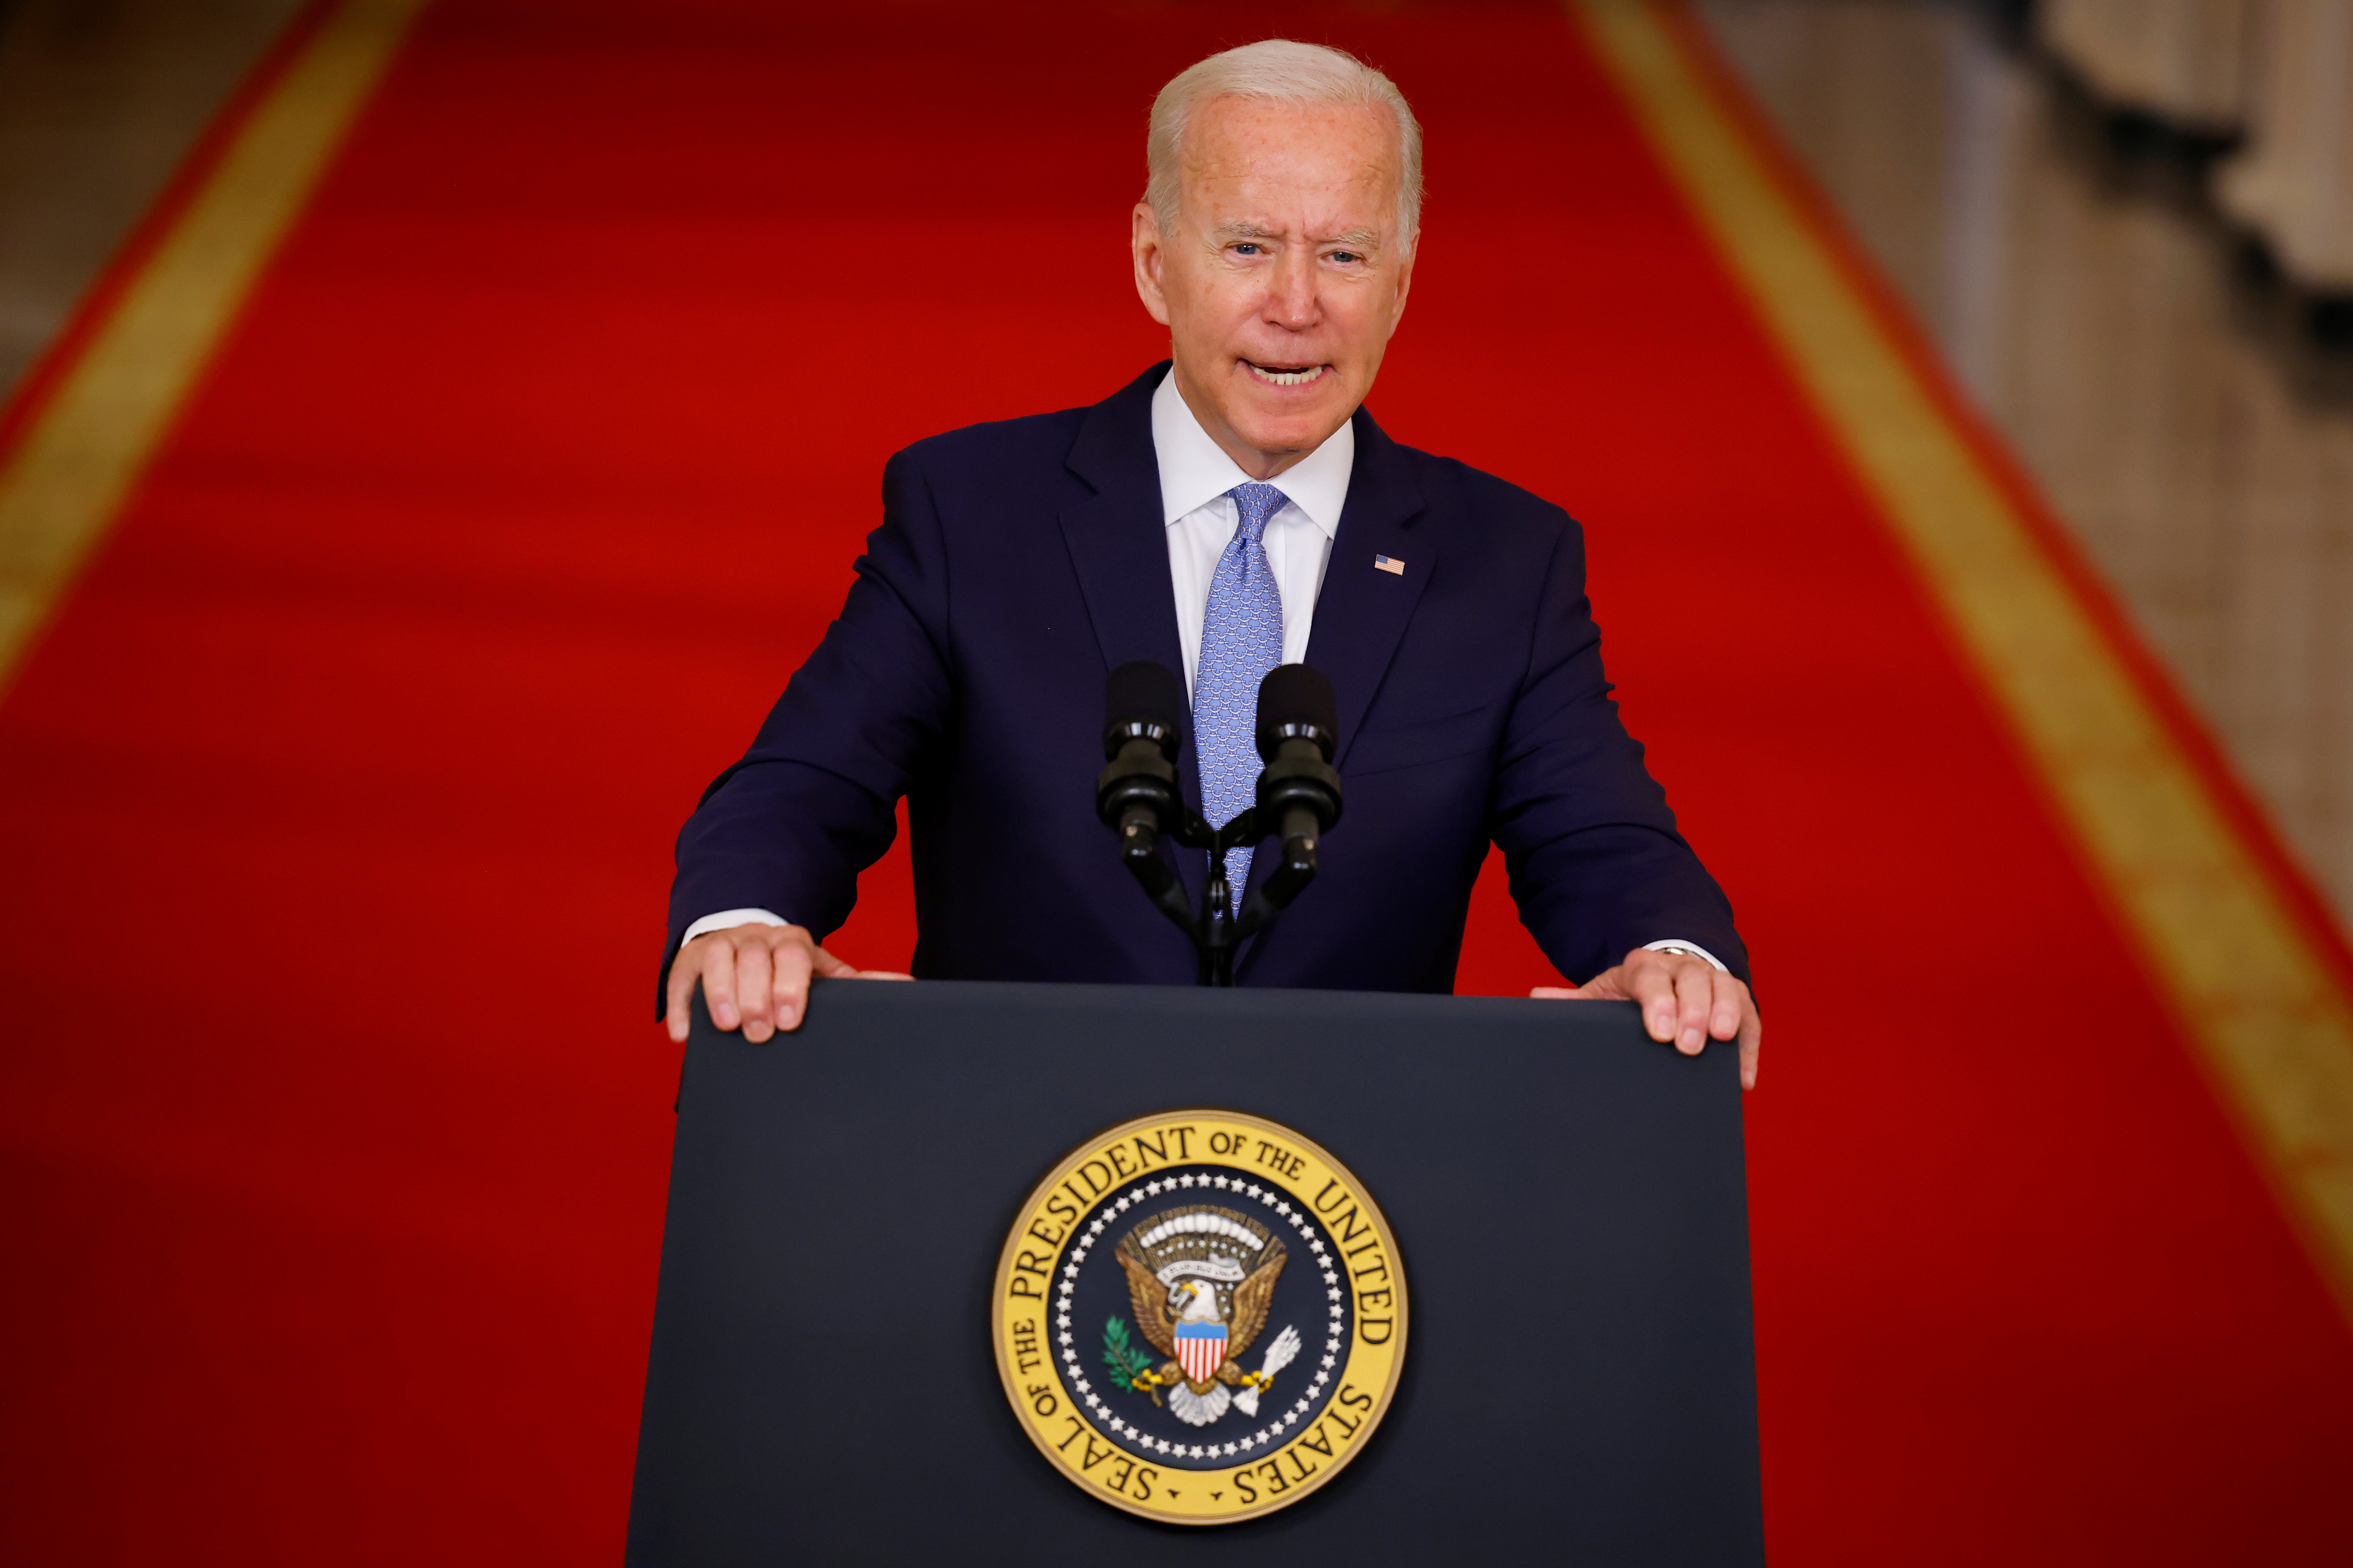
point(87, 446)
point(2217, 934)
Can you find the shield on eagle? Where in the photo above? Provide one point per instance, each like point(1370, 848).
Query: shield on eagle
point(1200, 1349)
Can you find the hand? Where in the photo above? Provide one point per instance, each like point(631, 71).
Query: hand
point(757, 977)
point(1686, 1002)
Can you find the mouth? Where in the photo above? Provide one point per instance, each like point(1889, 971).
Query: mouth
point(1286, 375)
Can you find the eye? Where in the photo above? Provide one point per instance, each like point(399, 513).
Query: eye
point(1247, 247)
point(1344, 257)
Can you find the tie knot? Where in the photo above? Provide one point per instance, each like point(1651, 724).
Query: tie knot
point(1257, 504)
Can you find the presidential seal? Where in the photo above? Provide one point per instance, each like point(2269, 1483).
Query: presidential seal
point(1199, 1317)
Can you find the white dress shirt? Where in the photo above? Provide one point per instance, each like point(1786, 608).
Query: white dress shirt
point(1195, 474)
point(1201, 517)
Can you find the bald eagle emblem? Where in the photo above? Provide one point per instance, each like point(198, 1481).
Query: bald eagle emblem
point(1200, 1282)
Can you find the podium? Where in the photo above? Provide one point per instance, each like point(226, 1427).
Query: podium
point(1568, 1203)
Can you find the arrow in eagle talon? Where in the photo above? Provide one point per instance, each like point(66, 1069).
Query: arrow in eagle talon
point(1278, 1356)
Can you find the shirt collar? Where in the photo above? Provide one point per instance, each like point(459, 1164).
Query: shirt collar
point(1194, 470)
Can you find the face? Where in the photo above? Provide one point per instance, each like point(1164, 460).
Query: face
point(1285, 275)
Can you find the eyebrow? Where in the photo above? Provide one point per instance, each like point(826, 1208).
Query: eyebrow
point(1354, 239)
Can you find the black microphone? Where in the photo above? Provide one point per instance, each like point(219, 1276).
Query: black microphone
point(1298, 731)
point(1143, 732)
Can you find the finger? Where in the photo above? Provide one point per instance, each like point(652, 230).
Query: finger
point(1752, 1041)
point(752, 996)
point(1609, 985)
point(1694, 994)
point(828, 967)
point(719, 983)
point(682, 971)
point(1654, 985)
point(1724, 1017)
point(878, 974)
point(1553, 993)
point(792, 964)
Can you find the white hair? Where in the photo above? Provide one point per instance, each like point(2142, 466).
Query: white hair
point(1277, 71)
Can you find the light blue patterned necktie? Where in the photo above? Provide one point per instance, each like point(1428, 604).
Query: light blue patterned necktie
point(1241, 639)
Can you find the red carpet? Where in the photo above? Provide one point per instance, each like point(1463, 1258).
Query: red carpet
point(335, 806)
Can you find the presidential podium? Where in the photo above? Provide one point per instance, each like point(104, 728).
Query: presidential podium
point(1564, 1199)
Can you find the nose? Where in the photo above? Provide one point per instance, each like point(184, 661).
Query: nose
point(1291, 300)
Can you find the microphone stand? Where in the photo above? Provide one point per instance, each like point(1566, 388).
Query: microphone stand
point(1216, 930)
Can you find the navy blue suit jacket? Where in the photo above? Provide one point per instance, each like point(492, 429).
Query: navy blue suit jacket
point(1017, 562)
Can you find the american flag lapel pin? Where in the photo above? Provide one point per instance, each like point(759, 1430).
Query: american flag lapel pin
point(1389, 563)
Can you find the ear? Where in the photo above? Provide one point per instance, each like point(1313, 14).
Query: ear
point(1149, 251)
point(1405, 279)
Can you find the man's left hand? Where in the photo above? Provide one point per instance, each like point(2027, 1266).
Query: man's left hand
point(1686, 1002)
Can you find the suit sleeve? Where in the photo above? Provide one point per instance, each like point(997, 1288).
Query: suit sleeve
point(1596, 864)
point(814, 802)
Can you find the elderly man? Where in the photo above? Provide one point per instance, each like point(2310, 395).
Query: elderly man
point(1231, 510)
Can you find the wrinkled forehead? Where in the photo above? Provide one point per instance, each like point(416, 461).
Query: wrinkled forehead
point(1331, 163)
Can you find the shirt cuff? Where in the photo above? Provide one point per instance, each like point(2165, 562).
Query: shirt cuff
point(1677, 944)
point(727, 918)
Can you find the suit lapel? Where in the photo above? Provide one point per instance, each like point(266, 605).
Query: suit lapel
point(1118, 545)
point(1362, 613)
point(1119, 548)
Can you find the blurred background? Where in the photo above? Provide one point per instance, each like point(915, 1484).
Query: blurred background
point(365, 1274)
point(2128, 224)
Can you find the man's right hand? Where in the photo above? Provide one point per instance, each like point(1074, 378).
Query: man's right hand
point(755, 976)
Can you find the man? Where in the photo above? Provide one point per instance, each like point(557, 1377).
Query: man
point(1230, 510)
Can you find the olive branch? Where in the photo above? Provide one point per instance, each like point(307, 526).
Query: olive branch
point(1128, 1365)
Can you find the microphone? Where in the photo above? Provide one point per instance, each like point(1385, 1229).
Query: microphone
point(1298, 731)
point(1143, 732)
